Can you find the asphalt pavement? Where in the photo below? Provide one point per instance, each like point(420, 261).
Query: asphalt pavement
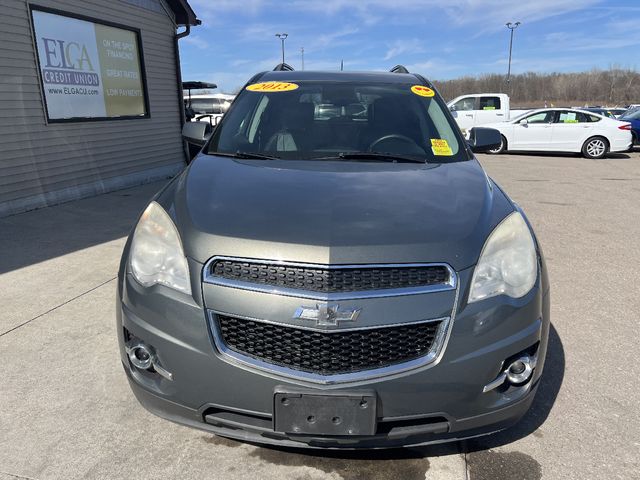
point(66, 410)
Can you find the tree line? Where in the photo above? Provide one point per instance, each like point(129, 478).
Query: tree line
point(613, 87)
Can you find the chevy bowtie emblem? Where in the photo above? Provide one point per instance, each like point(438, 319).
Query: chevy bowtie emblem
point(327, 315)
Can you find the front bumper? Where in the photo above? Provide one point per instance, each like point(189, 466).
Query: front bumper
point(258, 429)
point(436, 403)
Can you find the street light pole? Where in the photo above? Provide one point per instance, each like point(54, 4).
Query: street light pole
point(512, 27)
point(282, 37)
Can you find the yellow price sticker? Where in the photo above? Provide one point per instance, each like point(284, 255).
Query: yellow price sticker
point(272, 87)
point(440, 147)
point(422, 91)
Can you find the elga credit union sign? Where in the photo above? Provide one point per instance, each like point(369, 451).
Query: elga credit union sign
point(88, 70)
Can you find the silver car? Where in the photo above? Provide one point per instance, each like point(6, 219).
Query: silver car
point(335, 270)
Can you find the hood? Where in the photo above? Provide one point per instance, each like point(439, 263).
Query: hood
point(335, 212)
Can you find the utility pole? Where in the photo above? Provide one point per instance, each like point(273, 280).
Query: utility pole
point(282, 37)
point(302, 55)
point(512, 27)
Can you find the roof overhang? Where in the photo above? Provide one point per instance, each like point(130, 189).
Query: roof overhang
point(183, 12)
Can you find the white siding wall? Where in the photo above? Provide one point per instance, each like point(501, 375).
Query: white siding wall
point(44, 164)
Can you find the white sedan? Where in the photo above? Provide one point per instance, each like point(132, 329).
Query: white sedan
point(564, 130)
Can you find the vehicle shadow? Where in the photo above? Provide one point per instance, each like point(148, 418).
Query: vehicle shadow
point(548, 390)
point(401, 462)
point(609, 156)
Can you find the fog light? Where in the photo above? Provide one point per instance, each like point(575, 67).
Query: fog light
point(520, 370)
point(141, 357)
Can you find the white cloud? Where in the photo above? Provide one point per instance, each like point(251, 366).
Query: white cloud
point(196, 41)
point(404, 47)
point(485, 15)
point(331, 39)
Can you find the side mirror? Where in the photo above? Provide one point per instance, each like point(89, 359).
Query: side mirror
point(484, 139)
point(197, 133)
point(524, 121)
point(453, 108)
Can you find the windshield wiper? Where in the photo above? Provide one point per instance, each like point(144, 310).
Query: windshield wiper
point(248, 155)
point(374, 156)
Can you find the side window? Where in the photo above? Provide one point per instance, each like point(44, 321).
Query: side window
point(464, 104)
point(540, 117)
point(490, 103)
point(571, 117)
point(593, 118)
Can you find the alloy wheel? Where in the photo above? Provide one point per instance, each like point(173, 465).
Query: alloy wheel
point(596, 147)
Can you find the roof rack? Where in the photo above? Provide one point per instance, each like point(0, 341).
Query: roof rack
point(283, 67)
point(399, 69)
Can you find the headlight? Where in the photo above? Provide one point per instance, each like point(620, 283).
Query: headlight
point(156, 252)
point(507, 263)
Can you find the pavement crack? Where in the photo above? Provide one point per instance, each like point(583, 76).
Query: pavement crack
point(17, 476)
point(55, 308)
point(466, 466)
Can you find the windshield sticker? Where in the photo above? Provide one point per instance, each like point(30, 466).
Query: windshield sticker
point(422, 91)
point(272, 87)
point(440, 147)
point(488, 108)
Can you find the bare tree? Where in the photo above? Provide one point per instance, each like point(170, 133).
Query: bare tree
point(615, 86)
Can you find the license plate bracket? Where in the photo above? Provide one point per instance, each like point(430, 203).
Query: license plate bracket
point(331, 414)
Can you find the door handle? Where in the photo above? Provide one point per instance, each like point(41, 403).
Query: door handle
point(468, 115)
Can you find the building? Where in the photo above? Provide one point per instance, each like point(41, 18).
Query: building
point(90, 97)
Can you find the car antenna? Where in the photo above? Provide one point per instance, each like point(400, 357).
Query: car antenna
point(342, 65)
point(399, 69)
point(283, 67)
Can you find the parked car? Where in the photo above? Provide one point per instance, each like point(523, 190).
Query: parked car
point(320, 277)
point(617, 112)
point(482, 108)
point(605, 112)
point(213, 105)
point(564, 130)
point(633, 117)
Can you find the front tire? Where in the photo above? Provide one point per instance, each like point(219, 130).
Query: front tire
point(501, 149)
point(595, 147)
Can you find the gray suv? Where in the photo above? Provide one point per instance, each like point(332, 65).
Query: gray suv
point(335, 270)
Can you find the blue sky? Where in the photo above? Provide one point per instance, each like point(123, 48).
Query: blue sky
point(441, 39)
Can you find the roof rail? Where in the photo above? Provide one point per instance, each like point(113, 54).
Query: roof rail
point(283, 67)
point(399, 69)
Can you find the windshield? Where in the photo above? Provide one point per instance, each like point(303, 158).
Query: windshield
point(633, 114)
point(339, 120)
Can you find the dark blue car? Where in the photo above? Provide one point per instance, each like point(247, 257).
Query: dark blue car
point(633, 117)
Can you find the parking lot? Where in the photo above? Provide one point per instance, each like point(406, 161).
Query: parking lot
point(66, 410)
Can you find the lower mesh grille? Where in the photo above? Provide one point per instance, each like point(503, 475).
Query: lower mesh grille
point(327, 353)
